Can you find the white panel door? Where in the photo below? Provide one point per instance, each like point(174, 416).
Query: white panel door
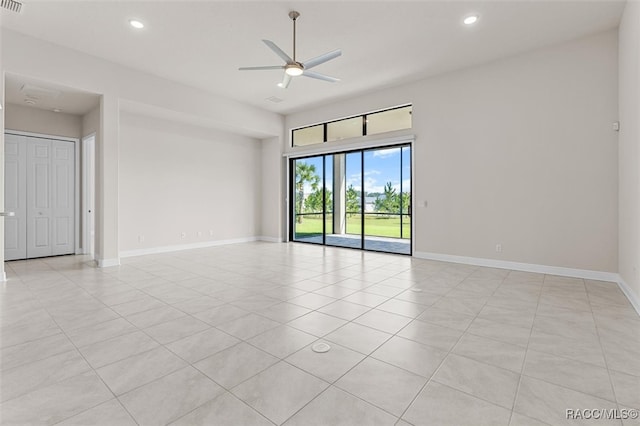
point(15, 197)
point(40, 189)
point(39, 211)
point(63, 197)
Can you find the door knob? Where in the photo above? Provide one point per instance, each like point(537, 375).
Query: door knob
point(7, 214)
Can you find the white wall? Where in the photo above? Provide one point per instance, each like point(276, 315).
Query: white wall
point(91, 122)
point(26, 119)
point(2, 272)
point(629, 147)
point(177, 178)
point(24, 55)
point(118, 85)
point(273, 204)
point(518, 152)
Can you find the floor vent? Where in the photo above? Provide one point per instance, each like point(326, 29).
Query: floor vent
point(12, 5)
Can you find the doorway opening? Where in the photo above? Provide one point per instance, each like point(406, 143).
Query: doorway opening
point(356, 199)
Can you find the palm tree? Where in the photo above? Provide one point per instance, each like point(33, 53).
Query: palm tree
point(305, 173)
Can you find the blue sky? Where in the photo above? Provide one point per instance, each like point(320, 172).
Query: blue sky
point(381, 166)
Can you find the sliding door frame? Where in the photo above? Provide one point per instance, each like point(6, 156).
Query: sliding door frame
point(292, 157)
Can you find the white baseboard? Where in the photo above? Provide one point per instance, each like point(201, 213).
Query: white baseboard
point(270, 239)
point(180, 247)
point(107, 263)
point(541, 269)
point(633, 298)
point(526, 267)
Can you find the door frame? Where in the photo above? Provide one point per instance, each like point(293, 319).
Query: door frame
point(324, 151)
point(87, 193)
point(76, 173)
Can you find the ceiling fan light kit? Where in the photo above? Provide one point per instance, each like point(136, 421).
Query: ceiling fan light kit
point(292, 67)
point(293, 70)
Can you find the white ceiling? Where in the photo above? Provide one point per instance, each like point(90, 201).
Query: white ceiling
point(384, 43)
point(48, 96)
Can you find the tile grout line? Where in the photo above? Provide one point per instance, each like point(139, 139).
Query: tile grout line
point(255, 291)
point(526, 352)
point(451, 352)
point(429, 380)
point(604, 355)
point(92, 370)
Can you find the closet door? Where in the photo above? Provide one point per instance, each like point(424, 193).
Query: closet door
point(39, 210)
point(63, 196)
point(15, 197)
point(40, 189)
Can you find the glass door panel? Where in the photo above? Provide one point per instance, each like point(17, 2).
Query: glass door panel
point(406, 198)
point(329, 196)
point(346, 183)
point(308, 196)
point(385, 201)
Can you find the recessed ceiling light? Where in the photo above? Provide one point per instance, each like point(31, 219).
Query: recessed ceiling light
point(136, 24)
point(56, 110)
point(29, 102)
point(280, 85)
point(470, 20)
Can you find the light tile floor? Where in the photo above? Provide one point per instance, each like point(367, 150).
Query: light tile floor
point(223, 336)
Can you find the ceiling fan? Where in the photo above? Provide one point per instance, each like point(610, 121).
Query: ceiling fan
point(292, 67)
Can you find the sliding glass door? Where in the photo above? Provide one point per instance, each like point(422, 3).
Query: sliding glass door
point(309, 202)
point(358, 199)
point(387, 215)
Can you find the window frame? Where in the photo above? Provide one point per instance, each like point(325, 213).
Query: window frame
point(364, 125)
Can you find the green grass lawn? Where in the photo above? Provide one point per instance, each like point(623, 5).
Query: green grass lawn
point(375, 226)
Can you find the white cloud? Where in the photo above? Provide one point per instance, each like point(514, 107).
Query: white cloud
point(370, 185)
point(385, 153)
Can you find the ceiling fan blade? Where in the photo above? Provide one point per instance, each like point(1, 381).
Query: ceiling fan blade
point(285, 81)
point(271, 45)
point(322, 59)
point(320, 76)
point(274, 67)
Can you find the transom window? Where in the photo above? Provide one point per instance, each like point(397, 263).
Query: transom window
point(372, 123)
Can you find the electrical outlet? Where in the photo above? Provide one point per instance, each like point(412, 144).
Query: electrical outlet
point(183, 235)
point(498, 248)
point(141, 238)
point(211, 232)
point(199, 234)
